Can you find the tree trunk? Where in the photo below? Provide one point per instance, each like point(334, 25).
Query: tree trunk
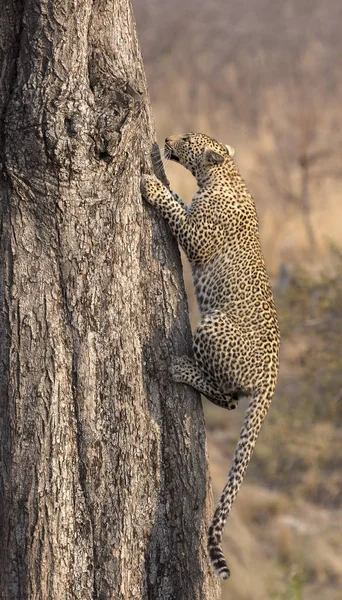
point(103, 462)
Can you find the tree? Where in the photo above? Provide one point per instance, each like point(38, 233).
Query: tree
point(103, 464)
point(303, 144)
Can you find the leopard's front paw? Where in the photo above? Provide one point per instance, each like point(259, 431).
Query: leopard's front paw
point(151, 188)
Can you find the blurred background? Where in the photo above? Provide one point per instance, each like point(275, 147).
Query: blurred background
point(266, 78)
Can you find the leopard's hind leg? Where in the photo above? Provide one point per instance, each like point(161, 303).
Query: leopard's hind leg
point(185, 370)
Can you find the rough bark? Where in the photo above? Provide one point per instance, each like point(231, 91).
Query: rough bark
point(103, 465)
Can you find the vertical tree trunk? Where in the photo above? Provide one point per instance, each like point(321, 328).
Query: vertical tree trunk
point(103, 464)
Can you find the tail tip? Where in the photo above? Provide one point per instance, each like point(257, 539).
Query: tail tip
point(217, 558)
point(223, 572)
point(219, 564)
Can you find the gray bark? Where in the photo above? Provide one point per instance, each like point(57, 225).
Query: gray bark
point(104, 491)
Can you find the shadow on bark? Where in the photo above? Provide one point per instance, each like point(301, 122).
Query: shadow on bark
point(176, 554)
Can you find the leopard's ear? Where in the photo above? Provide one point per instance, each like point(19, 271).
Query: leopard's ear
point(230, 150)
point(212, 158)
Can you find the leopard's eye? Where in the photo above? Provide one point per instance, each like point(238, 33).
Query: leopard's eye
point(185, 138)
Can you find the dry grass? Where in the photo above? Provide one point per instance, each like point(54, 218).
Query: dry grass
point(277, 546)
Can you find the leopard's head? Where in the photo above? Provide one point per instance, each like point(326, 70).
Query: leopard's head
point(197, 152)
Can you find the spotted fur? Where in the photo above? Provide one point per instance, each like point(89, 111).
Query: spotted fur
point(236, 344)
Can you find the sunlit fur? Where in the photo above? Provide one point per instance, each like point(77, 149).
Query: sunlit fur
point(236, 344)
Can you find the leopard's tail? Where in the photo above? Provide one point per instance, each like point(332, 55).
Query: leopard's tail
point(255, 415)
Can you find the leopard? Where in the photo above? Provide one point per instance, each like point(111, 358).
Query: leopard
point(237, 340)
